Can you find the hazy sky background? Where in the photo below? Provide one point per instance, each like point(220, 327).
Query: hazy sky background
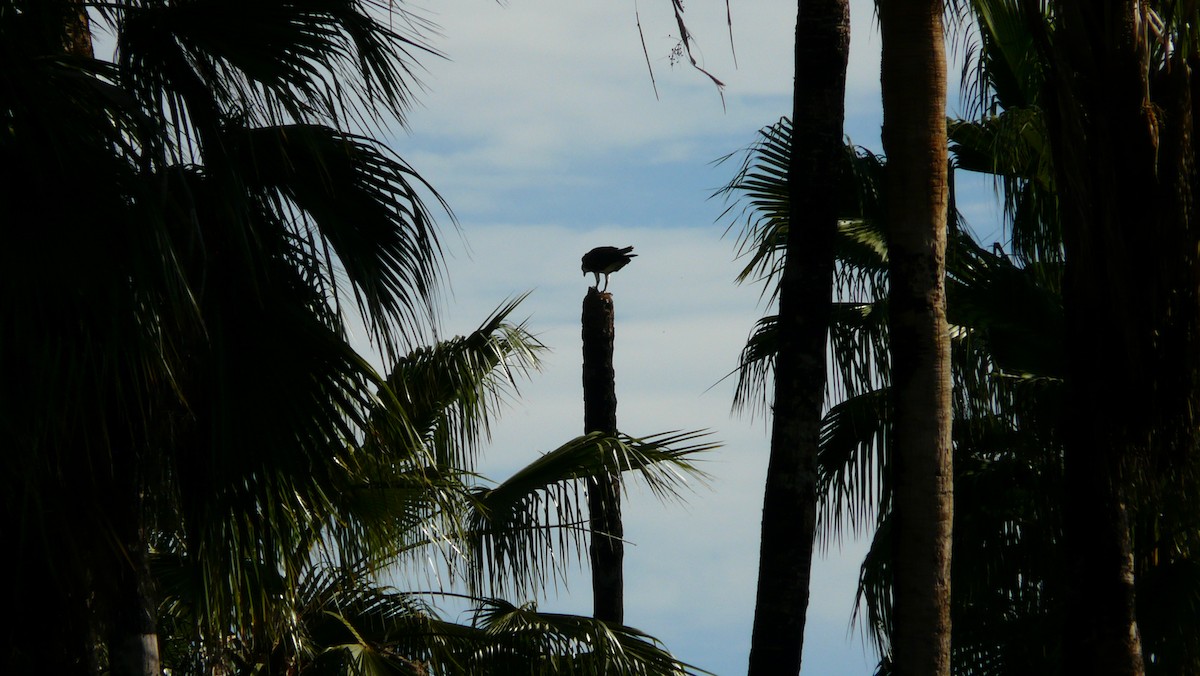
point(543, 132)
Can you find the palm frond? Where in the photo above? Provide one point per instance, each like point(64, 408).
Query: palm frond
point(450, 391)
point(549, 643)
point(760, 186)
point(528, 527)
point(874, 592)
point(1007, 532)
point(276, 402)
point(1018, 311)
point(1014, 147)
point(1001, 69)
point(332, 61)
point(756, 363)
point(858, 347)
point(852, 461)
point(406, 486)
point(358, 209)
point(1005, 134)
point(760, 189)
point(341, 621)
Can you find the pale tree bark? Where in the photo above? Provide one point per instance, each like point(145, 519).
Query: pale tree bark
point(805, 294)
point(913, 75)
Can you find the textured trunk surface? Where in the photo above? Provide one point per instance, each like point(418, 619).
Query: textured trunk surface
point(806, 288)
point(1105, 155)
point(913, 76)
point(607, 548)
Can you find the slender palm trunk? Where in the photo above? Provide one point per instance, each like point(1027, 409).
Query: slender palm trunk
point(805, 293)
point(914, 137)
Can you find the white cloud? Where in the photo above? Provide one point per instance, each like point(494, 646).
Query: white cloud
point(535, 91)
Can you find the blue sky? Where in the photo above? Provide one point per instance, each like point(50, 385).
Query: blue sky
point(542, 131)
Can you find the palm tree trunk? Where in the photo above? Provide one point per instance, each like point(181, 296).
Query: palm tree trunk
point(607, 548)
point(913, 77)
point(1106, 156)
point(805, 294)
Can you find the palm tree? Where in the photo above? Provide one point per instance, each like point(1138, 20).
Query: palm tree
point(174, 336)
point(805, 292)
point(329, 609)
point(192, 226)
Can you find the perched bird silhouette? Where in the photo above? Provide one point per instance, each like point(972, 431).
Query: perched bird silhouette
point(605, 260)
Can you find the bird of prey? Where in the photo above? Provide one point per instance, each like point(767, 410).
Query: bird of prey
point(605, 260)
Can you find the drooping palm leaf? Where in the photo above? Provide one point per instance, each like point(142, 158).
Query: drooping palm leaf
point(852, 465)
point(548, 643)
point(759, 189)
point(381, 487)
point(527, 528)
point(356, 208)
point(1005, 134)
point(433, 412)
point(1016, 310)
point(335, 61)
point(1001, 68)
point(339, 618)
point(451, 390)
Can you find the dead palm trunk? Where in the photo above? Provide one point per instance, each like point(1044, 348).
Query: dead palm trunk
point(805, 294)
point(913, 77)
point(607, 548)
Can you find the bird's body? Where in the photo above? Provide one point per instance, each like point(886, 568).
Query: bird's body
point(605, 260)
